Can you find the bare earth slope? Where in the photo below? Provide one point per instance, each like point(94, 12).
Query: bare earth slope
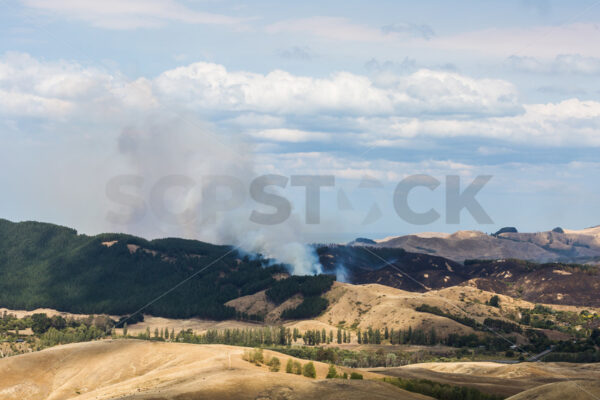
point(131, 369)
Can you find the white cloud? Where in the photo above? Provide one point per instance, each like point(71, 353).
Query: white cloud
point(28, 105)
point(128, 14)
point(60, 88)
point(407, 111)
point(211, 86)
point(570, 123)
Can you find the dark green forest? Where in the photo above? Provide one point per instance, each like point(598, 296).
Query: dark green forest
point(45, 265)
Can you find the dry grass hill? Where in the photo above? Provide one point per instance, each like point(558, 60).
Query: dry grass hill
point(503, 379)
point(571, 390)
point(132, 369)
point(379, 306)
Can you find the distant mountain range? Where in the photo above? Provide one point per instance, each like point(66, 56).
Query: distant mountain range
point(557, 245)
point(45, 265)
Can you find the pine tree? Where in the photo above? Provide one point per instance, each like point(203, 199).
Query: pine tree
point(387, 333)
point(339, 336)
point(433, 336)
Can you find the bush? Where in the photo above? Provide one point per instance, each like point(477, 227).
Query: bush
point(355, 375)
point(297, 368)
point(332, 373)
point(274, 364)
point(289, 367)
point(309, 370)
point(494, 301)
point(254, 356)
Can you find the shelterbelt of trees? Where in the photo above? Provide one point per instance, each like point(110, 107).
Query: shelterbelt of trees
point(49, 266)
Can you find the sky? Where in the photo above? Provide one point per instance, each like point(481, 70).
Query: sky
point(369, 93)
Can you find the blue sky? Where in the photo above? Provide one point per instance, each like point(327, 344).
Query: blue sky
point(360, 90)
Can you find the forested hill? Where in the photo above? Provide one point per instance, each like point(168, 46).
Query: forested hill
point(45, 265)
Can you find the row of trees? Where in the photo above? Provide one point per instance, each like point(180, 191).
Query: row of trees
point(408, 336)
point(253, 337)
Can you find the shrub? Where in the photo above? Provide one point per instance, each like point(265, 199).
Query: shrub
point(254, 356)
point(274, 364)
point(289, 367)
point(494, 301)
point(355, 375)
point(332, 373)
point(297, 368)
point(309, 370)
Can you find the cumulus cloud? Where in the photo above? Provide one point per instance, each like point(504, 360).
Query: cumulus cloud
point(211, 86)
point(208, 87)
point(128, 14)
point(569, 123)
point(283, 107)
point(61, 88)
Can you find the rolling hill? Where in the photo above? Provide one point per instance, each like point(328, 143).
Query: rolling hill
point(134, 369)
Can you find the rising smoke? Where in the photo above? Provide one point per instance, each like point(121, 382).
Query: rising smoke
point(185, 151)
